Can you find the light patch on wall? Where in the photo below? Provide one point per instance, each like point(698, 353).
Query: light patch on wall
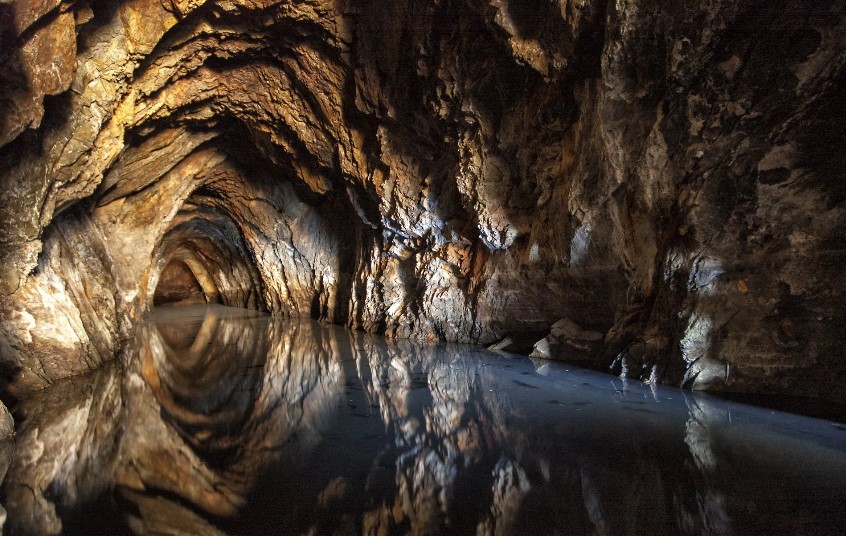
point(21, 325)
point(534, 253)
point(64, 330)
point(579, 244)
point(497, 238)
point(703, 371)
point(694, 344)
point(706, 272)
point(129, 296)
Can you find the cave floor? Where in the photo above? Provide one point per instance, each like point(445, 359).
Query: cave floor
point(226, 421)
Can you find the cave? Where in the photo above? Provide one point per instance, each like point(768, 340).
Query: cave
point(178, 284)
point(222, 221)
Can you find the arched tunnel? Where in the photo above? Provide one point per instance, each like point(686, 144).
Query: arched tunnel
point(178, 284)
point(655, 190)
point(609, 184)
point(471, 171)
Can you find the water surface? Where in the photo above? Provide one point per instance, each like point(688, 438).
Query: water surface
point(223, 421)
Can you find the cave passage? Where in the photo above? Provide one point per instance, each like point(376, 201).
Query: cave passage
point(238, 422)
point(178, 284)
point(654, 190)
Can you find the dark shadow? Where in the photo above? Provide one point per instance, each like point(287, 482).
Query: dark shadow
point(178, 284)
point(532, 17)
point(12, 79)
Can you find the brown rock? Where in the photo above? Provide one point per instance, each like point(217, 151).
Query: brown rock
point(668, 175)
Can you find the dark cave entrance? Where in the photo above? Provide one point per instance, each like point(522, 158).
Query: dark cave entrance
point(178, 284)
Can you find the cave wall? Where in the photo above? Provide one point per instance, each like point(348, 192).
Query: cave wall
point(649, 188)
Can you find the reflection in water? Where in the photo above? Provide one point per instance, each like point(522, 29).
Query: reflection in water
point(225, 422)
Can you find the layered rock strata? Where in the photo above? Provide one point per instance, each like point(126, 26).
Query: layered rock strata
point(662, 181)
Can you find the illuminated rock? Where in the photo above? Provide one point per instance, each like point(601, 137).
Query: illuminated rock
point(463, 171)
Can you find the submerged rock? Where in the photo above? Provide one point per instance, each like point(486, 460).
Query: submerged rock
point(567, 341)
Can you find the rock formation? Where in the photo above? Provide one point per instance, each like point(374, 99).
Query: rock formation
point(663, 181)
point(7, 448)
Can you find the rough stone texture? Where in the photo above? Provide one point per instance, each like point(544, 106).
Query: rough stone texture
point(667, 175)
point(178, 283)
point(7, 449)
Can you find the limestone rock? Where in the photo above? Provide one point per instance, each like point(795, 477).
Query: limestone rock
point(665, 174)
point(567, 341)
point(7, 448)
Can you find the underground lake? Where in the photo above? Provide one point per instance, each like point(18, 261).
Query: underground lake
point(227, 421)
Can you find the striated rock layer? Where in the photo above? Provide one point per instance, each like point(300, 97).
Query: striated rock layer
point(655, 188)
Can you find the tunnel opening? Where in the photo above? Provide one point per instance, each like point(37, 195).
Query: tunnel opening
point(178, 285)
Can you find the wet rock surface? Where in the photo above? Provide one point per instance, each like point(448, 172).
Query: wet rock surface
point(668, 176)
point(7, 448)
point(229, 422)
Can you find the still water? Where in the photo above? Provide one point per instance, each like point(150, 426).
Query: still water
point(228, 422)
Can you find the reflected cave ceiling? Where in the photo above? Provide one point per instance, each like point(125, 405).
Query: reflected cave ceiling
point(656, 190)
